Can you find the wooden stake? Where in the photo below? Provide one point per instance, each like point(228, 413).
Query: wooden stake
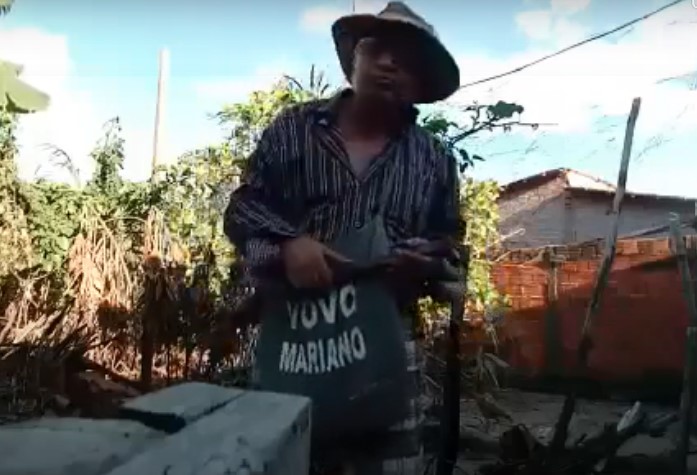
point(160, 111)
point(687, 398)
point(562, 427)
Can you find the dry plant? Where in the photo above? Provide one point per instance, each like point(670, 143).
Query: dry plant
point(163, 278)
point(34, 348)
point(99, 272)
point(102, 286)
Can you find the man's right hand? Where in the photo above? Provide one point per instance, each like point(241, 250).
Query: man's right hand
point(305, 261)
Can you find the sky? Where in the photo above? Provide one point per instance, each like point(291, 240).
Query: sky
point(98, 60)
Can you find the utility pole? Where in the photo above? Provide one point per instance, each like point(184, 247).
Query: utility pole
point(160, 111)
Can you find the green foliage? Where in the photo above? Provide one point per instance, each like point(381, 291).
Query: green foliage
point(108, 158)
point(315, 87)
point(54, 220)
point(57, 212)
point(15, 243)
point(481, 215)
point(445, 131)
point(479, 210)
point(193, 192)
point(191, 195)
point(51, 228)
point(482, 118)
point(245, 121)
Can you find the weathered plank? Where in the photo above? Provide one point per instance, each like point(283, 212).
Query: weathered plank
point(561, 429)
point(687, 398)
point(172, 408)
point(257, 432)
point(71, 446)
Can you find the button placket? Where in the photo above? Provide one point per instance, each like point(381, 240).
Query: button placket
point(358, 221)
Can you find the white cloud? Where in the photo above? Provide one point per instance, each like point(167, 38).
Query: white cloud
point(319, 18)
point(599, 79)
point(70, 122)
point(569, 7)
point(536, 24)
point(228, 90)
point(553, 23)
point(568, 32)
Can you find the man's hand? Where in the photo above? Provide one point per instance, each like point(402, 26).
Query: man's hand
point(411, 264)
point(406, 275)
point(305, 261)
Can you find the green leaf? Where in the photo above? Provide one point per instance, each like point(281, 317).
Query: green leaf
point(17, 96)
point(5, 6)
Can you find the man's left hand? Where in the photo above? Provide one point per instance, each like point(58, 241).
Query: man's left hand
point(411, 265)
point(408, 271)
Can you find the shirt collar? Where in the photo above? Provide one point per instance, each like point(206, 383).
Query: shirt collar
point(328, 109)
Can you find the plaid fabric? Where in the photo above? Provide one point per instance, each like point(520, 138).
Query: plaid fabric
point(405, 455)
point(400, 450)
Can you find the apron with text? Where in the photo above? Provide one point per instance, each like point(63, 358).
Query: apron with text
point(343, 348)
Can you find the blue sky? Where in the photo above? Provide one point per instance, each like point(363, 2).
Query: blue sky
point(99, 60)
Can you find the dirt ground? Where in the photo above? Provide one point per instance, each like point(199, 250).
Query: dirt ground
point(539, 413)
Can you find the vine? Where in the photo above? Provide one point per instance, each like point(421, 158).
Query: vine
point(478, 199)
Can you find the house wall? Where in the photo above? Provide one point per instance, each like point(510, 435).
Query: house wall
point(538, 210)
point(591, 218)
point(638, 334)
point(551, 215)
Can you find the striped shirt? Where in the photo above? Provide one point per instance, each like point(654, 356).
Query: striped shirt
point(299, 180)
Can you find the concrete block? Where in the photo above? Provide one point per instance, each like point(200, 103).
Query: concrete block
point(172, 408)
point(71, 446)
point(257, 432)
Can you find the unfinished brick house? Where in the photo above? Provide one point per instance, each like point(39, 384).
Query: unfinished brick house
point(564, 206)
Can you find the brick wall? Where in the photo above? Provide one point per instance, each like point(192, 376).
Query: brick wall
point(638, 333)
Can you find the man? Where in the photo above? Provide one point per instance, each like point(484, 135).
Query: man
point(323, 170)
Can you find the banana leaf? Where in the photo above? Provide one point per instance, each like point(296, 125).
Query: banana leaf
point(17, 96)
point(5, 6)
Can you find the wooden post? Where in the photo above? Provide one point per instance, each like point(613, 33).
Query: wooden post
point(147, 336)
point(160, 110)
point(611, 241)
point(552, 340)
point(687, 398)
point(562, 426)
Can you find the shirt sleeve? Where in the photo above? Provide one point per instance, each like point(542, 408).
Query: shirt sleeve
point(257, 210)
point(444, 219)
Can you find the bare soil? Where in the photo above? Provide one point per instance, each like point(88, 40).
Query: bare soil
point(539, 413)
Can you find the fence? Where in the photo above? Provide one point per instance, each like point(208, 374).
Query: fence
point(639, 332)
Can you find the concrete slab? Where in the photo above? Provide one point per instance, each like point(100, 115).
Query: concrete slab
point(172, 408)
point(71, 446)
point(257, 432)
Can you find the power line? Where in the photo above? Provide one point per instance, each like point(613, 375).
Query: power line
point(573, 46)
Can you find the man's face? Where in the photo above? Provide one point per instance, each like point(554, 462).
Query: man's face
point(384, 69)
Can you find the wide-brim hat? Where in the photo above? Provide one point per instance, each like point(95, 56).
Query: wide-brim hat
point(440, 74)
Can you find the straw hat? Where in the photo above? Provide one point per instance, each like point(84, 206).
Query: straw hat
point(440, 74)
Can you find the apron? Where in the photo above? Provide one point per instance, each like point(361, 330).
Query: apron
point(343, 348)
